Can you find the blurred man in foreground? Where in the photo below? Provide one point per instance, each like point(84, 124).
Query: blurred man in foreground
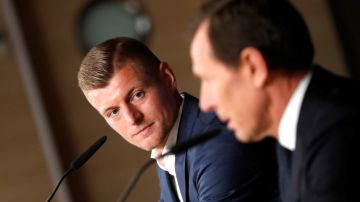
point(255, 62)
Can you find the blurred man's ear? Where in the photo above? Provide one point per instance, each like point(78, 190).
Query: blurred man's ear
point(167, 74)
point(255, 64)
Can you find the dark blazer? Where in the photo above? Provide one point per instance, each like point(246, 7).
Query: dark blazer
point(221, 169)
point(325, 164)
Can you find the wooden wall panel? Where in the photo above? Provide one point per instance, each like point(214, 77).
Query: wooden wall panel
point(23, 170)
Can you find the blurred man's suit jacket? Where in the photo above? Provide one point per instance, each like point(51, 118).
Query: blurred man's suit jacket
point(325, 164)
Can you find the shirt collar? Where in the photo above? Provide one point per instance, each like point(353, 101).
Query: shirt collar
point(289, 120)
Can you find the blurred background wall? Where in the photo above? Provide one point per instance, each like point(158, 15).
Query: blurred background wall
point(49, 34)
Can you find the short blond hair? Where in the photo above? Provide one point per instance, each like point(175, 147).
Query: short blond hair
point(100, 63)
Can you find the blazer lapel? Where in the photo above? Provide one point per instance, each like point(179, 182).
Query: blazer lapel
point(167, 190)
point(188, 119)
point(311, 107)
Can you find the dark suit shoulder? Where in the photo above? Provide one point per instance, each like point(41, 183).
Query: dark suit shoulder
point(328, 102)
point(327, 140)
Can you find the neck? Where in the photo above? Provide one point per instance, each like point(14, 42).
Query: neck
point(281, 88)
point(177, 100)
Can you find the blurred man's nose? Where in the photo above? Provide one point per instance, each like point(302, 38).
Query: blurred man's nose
point(132, 115)
point(207, 103)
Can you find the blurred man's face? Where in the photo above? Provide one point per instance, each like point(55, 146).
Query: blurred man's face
point(230, 92)
point(141, 110)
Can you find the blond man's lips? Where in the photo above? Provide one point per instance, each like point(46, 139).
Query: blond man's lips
point(143, 129)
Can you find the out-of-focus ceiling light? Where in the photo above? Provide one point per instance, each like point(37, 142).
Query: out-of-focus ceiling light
point(100, 20)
